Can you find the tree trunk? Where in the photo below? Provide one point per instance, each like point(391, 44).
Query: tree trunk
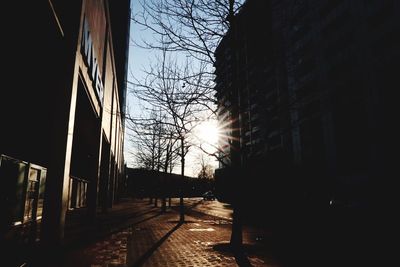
point(181, 205)
point(236, 241)
point(181, 210)
point(164, 193)
point(237, 227)
point(163, 204)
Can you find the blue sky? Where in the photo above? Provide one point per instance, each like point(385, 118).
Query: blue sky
point(140, 59)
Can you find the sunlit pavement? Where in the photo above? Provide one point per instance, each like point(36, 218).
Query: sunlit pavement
point(209, 207)
point(157, 239)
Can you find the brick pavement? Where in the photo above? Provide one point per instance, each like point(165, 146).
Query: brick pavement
point(157, 239)
point(135, 233)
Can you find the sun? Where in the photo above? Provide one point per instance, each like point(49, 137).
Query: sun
point(208, 132)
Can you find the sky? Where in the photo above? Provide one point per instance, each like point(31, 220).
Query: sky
point(140, 59)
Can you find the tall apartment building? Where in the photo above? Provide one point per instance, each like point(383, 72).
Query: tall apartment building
point(258, 85)
point(62, 124)
point(315, 82)
point(341, 60)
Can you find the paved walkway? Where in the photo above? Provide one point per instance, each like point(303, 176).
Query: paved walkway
point(135, 233)
point(151, 238)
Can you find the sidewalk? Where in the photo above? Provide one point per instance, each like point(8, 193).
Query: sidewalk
point(146, 237)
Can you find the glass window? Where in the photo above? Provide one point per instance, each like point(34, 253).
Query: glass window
point(77, 193)
point(42, 184)
point(12, 190)
point(31, 195)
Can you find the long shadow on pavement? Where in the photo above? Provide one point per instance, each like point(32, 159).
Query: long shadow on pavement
point(147, 218)
point(188, 207)
point(142, 213)
point(148, 253)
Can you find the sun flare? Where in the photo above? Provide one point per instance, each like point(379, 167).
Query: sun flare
point(208, 132)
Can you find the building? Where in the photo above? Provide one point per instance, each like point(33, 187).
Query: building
point(62, 124)
point(314, 83)
point(340, 59)
point(259, 82)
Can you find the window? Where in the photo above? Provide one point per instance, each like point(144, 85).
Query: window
point(329, 7)
point(305, 67)
point(77, 192)
point(380, 14)
point(337, 24)
point(31, 195)
point(22, 191)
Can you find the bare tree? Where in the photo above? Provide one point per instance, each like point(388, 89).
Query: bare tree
point(172, 89)
point(195, 28)
point(155, 146)
point(146, 137)
point(206, 170)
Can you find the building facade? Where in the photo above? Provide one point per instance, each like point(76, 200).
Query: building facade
point(62, 129)
point(314, 82)
point(261, 91)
